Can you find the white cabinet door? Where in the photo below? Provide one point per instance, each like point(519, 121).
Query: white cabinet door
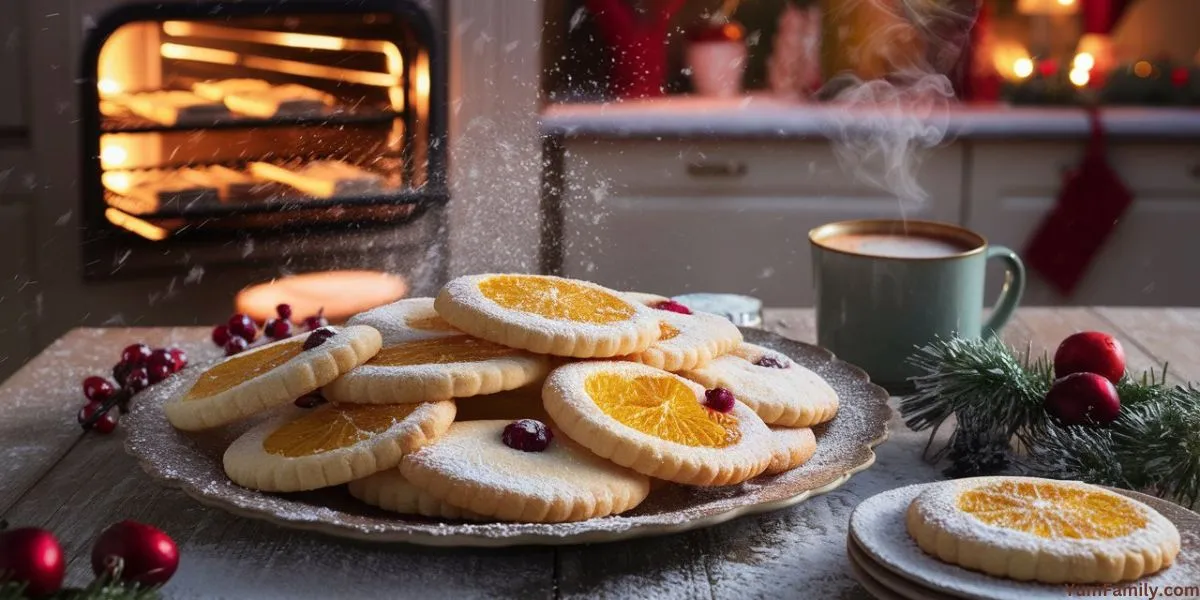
point(721, 216)
point(1150, 258)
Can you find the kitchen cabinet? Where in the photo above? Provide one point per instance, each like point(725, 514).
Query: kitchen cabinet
point(1149, 259)
point(721, 216)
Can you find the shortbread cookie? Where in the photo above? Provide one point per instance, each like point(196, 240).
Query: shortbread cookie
point(656, 423)
point(389, 490)
point(406, 320)
point(688, 341)
point(524, 402)
point(437, 369)
point(268, 376)
point(1044, 530)
point(782, 392)
point(650, 300)
point(472, 468)
point(307, 449)
point(793, 447)
point(548, 315)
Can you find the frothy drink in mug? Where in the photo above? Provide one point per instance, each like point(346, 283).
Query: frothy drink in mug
point(896, 246)
point(885, 288)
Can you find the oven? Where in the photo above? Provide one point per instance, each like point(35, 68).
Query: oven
point(288, 136)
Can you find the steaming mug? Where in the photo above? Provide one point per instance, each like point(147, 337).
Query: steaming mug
point(885, 288)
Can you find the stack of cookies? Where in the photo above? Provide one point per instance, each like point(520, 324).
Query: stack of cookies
point(512, 398)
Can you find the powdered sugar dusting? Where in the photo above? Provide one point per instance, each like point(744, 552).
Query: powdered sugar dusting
point(700, 336)
point(878, 526)
point(192, 461)
point(394, 321)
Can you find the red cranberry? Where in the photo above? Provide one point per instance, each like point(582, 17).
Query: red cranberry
point(1083, 399)
point(158, 372)
point(1090, 352)
point(135, 354)
point(243, 326)
point(105, 423)
point(121, 372)
point(97, 389)
point(771, 362)
point(316, 321)
point(318, 337)
point(719, 399)
point(284, 311)
point(527, 435)
point(180, 357)
point(137, 380)
point(674, 307)
point(162, 356)
point(309, 401)
point(236, 345)
point(278, 329)
point(221, 335)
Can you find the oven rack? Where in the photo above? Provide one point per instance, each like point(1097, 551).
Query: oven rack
point(286, 204)
point(356, 117)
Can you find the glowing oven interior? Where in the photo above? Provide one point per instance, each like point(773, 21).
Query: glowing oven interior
point(260, 121)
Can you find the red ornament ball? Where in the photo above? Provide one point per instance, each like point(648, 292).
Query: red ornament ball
point(97, 389)
point(148, 555)
point(1083, 399)
point(32, 556)
point(105, 424)
point(1090, 352)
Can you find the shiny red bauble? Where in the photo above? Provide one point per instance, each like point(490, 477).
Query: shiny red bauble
point(1083, 399)
point(1090, 352)
point(32, 556)
point(148, 556)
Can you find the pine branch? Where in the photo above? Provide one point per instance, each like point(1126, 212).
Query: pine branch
point(100, 589)
point(1157, 443)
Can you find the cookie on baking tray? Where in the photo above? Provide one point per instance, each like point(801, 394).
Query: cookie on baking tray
point(437, 368)
point(405, 320)
point(547, 315)
point(688, 341)
point(390, 491)
point(1028, 528)
point(656, 423)
point(471, 467)
point(307, 449)
point(782, 392)
point(793, 447)
point(268, 376)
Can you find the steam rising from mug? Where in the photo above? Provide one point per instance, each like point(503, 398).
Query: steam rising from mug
point(890, 123)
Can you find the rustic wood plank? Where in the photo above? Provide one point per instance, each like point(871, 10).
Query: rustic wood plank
point(1167, 335)
point(1047, 327)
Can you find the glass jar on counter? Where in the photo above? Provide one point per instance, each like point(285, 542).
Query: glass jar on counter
point(743, 311)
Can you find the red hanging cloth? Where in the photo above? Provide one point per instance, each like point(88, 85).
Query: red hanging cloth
point(1100, 16)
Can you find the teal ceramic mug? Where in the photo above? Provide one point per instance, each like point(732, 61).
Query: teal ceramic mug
point(885, 288)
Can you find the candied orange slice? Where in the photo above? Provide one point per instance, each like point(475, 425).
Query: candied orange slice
point(1052, 511)
point(334, 426)
point(225, 375)
point(555, 299)
point(453, 349)
point(430, 323)
point(663, 407)
point(666, 331)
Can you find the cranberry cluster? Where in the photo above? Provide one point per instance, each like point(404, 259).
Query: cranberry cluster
point(140, 367)
point(240, 331)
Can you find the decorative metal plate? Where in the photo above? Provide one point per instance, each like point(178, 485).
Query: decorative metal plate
point(845, 445)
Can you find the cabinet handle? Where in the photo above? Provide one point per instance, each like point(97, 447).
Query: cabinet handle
point(717, 169)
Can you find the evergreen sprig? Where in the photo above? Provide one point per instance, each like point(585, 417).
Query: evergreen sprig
point(996, 397)
point(99, 589)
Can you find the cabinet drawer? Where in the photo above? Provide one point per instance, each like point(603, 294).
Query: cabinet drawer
point(624, 229)
point(12, 64)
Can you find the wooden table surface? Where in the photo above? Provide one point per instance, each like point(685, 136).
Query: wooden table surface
point(51, 476)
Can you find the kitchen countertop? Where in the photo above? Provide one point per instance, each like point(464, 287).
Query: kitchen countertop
point(765, 117)
point(53, 476)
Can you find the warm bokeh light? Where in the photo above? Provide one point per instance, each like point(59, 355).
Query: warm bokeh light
point(1066, 2)
point(1084, 61)
point(1143, 69)
point(1080, 77)
point(1023, 67)
point(108, 87)
point(112, 155)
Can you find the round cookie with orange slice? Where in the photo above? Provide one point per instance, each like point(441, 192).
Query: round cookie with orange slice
point(332, 444)
point(271, 375)
point(406, 320)
point(521, 471)
point(548, 315)
point(390, 491)
point(782, 392)
point(688, 340)
point(437, 368)
point(794, 446)
point(658, 423)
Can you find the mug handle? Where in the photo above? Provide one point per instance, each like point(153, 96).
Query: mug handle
point(1010, 294)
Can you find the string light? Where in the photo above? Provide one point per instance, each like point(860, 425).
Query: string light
point(1143, 69)
point(1023, 67)
point(1066, 2)
point(108, 87)
point(1079, 77)
point(1084, 61)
